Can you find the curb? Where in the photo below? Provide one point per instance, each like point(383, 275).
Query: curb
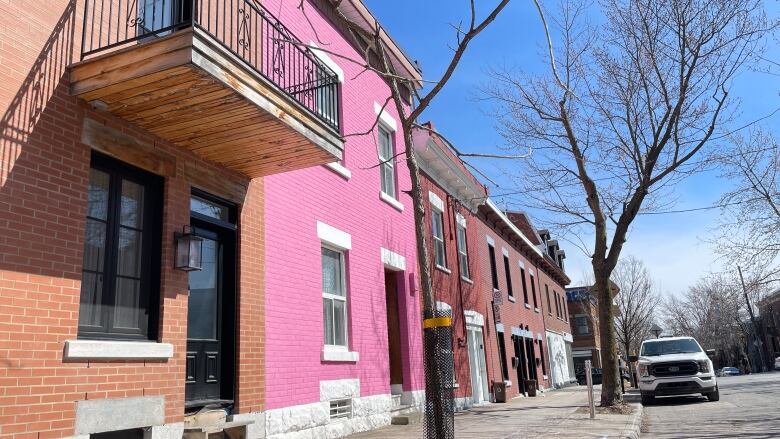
point(633, 428)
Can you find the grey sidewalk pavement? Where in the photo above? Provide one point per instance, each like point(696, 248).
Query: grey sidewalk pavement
point(554, 414)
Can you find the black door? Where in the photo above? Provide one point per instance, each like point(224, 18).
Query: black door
point(521, 367)
point(210, 364)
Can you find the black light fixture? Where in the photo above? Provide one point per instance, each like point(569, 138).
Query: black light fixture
point(189, 251)
point(656, 330)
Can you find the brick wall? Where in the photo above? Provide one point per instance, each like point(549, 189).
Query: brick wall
point(43, 180)
point(513, 314)
point(294, 202)
point(450, 288)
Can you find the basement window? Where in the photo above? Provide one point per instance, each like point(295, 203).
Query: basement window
point(340, 408)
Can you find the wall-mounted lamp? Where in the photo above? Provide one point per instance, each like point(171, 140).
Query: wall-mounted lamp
point(189, 251)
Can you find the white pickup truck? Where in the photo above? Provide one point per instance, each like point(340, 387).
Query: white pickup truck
point(675, 366)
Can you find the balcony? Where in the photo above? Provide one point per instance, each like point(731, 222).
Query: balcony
point(223, 78)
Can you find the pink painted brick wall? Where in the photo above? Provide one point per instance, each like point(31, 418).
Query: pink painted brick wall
point(294, 202)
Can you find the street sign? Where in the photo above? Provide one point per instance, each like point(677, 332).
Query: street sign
point(498, 299)
point(496, 313)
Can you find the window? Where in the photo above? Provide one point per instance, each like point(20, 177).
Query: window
point(533, 291)
point(334, 298)
point(525, 289)
point(340, 408)
point(493, 268)
point(541, 355)
point(557, 305)
point(120, 279)
point(463, 255)
point(547, 293)
point(387, 162)
point(565, 309)
point(439, 250)
point(508, 277)
point(581, 323)
point(502, 355)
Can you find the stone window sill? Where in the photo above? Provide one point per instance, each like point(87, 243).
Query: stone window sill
point(444, 269)
point(391, 201)
point(528, 306)
point(339, 355)
point(512, 299)
point(467, 280)
point(338, 168)
point(116, 350)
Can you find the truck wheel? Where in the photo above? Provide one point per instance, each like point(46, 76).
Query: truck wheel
point(648, 398)
point(714, 396)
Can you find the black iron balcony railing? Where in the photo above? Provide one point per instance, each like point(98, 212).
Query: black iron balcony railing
point(243, 27)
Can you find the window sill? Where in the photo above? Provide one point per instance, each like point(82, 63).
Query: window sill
point(528, 306)
point(340, 355)
point(116, 350)
point(467, 280)
point(511, 299)
point(508, 383)
point(536, 310)
point(391, 201)
point(338, 168)
point(444, 269)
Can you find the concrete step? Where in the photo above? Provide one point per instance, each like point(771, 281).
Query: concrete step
point(411, 418)
point(396, 400)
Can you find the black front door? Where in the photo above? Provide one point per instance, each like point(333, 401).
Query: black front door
point(522, 373)
point(211, 315)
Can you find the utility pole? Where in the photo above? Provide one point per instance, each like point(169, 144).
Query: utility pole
point(759, 343)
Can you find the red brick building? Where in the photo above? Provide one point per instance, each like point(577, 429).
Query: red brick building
point(556, 318)
point(453, 196)
point(513, 279)
point(584, 318)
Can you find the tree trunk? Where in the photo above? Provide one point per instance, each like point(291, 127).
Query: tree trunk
point(610, 385)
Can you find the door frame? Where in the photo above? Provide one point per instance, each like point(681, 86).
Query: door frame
point(477, 362)
point(227, 233)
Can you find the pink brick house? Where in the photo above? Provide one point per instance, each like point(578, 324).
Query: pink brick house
point(343, 346)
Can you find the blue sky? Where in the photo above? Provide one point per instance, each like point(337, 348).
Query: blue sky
point(671, 245)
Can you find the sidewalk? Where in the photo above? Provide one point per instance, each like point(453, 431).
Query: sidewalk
point(554, 414)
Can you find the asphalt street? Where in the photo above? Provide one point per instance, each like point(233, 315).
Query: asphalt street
point(749, 407)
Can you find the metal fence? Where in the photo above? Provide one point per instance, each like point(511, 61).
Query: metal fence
point(243, 27)
point(439, 378)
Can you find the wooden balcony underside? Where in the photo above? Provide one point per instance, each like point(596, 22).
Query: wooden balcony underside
point(187, 89)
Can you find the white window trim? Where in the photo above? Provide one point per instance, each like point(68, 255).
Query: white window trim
point(437, 210)
point(474, 318)
point(116, 350)
point(460, 220)
point(436, 201)
point(333, 237)
point(511, 298)
point(521, 264)
point(385, 118)
point(344, 298)
point(504, 251)
point(490, 241)
point(391, 201)
point(462, 251)
point(327, 60)
point(387, 161)
point(340, 169)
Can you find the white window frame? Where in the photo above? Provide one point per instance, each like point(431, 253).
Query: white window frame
point(463, 250)
point(438, 213)
point(387, 163)
point(344, 298)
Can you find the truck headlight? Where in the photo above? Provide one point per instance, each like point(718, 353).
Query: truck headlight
point(643, 370)
point(704, 366)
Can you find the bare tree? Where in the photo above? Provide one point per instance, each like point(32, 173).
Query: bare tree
point(377, 59)
point(710, 311)
point(749, 227)
point(636, 303)
point(636, 98)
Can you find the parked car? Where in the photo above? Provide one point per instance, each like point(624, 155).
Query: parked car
point(729, 372)
point(675, 366)
point(595, 373)
point(777, 363)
